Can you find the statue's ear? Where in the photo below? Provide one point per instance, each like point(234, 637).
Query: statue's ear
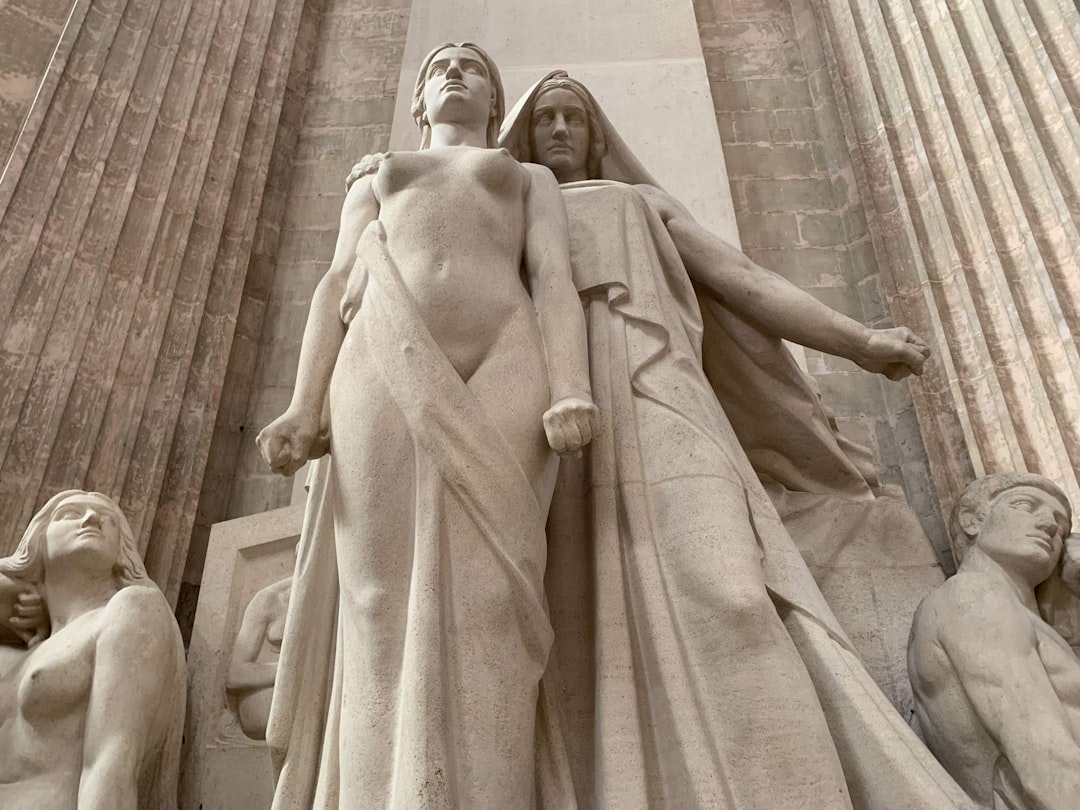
point(969, 520)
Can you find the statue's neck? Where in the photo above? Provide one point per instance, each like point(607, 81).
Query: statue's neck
point(978, 561)
point(457, 135)
point(71, 591)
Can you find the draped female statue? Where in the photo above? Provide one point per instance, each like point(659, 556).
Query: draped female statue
point(450, 378)
point(696, 662)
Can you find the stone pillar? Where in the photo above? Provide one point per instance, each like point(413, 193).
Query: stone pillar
point(127, 214)
point(961, 118)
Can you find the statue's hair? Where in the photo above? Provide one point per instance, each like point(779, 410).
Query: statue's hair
point(419, 107)
point(28, 561)
point(597, 142)
point(981, 493)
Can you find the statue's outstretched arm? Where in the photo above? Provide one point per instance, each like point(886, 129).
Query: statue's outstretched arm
point(778, 305)
point(295, 436)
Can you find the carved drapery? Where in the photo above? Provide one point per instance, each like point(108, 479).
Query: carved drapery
point(961, 116)
point(127, 213)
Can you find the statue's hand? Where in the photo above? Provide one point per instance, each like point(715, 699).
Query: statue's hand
point(896, 353)
point(369, 164)
point(22, 610)
point(570, 424)
point(291, 440)
point(1070, 564)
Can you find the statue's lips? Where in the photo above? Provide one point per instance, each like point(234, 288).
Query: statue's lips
point(454, 86)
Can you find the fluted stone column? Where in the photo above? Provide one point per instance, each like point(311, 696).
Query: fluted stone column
point(127, 214)
point(961, 116)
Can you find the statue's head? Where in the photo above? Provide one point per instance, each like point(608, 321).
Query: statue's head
point(1020, 520)
point(458, 83)
point(565, 131)
point(87, 527)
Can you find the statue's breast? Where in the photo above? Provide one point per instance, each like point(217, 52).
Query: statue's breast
point(449, 171)
point(57, 674)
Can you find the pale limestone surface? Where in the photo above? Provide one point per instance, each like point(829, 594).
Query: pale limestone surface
point(254, 661)
point(677, 680)
point(996, 687)
point(223, 768)
point(92, 685)
point(639, 54)
point(448, 393)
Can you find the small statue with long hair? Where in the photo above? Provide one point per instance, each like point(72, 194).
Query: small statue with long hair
point(92, 678)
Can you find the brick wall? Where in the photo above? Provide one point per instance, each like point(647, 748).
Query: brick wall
point(799, 212)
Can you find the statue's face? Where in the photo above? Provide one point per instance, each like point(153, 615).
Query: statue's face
point(1024, 531)
point(86, 526)
point(560, 134)
point(457, 88)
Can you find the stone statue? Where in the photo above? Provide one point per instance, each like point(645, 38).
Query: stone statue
point(424, 539)
point(997, 690)
point(254, 661)
point(696, 663)
point(92, 707)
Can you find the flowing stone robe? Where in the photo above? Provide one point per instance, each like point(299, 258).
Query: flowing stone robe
point(668, 561)
point(416, 635)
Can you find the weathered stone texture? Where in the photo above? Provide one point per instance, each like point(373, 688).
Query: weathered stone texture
point(961, 120)
point(338, 107)
point(800, 213)
point(126, 220)
point(29, 33)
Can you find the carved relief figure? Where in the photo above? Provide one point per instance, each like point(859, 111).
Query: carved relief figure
point(450, 382)
point(680, 603)
point(92, 710)
point(254, 662)
point(997, 690)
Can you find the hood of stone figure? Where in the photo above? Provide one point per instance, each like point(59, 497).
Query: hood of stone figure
point(617, 161)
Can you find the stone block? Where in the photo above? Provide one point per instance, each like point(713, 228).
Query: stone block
point(223, 769)
point(767, 230)
point(769, 161)
point(759, 63)
point(752, 127)
point(778, 94)
point(804, 266)
point(822, 230)
point(728, 95)
point(791, 194)
point(801, 123)
point(853, 393)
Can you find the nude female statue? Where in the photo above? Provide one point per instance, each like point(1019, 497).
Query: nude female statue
point(92, 712)
point(444, 372)
point(254, 661)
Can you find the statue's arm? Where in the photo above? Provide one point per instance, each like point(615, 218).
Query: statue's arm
point(1012, 694)
point(24, 620)
point(777, 304)
point(571, 421)
point(244, 670)
point(134, 670)
point(291, 439)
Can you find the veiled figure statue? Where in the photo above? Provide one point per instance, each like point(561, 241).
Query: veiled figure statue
point(696, 662)
point(997, 689)
point(92, 703)
point(450, 382)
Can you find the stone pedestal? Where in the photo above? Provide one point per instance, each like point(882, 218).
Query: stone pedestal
point(222, 768)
